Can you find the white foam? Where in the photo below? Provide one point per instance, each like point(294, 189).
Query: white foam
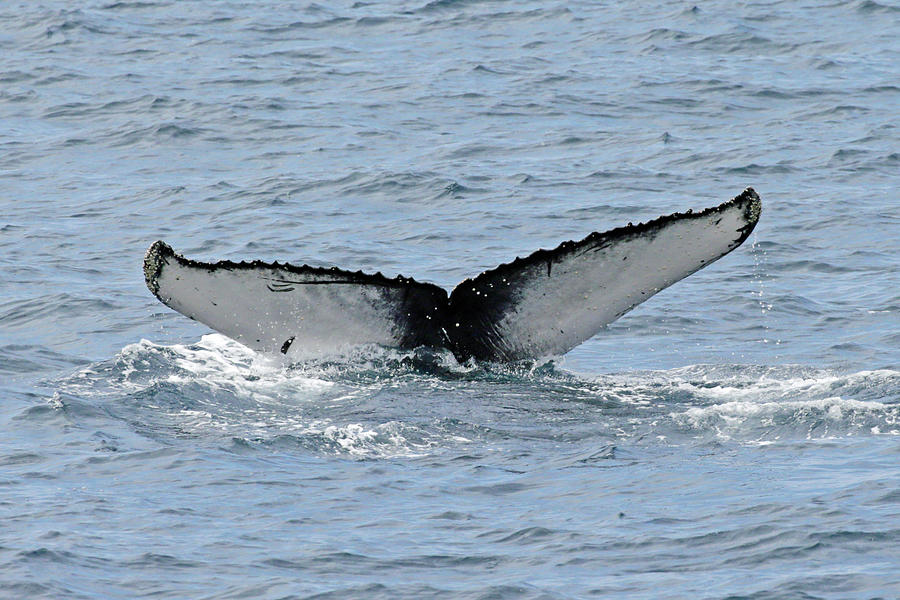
point(833, 408)
point(384, 440)
point(235, 392)
point(218, 388)
point(222, 363)
point(770, 407)
point(770, 385)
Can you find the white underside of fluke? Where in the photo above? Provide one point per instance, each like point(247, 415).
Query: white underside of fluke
point(271, 309)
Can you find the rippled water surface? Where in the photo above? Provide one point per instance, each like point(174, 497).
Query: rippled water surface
point(737, 436)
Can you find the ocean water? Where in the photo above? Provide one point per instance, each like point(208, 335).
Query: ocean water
point(737, 436)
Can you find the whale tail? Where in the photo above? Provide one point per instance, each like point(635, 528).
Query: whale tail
point(541, 305)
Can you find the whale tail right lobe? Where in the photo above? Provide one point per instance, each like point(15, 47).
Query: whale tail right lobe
point(553, 300)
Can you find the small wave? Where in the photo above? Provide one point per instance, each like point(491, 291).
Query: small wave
point(300, 25)
point(130, 5)
point(455, 190)
point(161, 561)
point(373, 21)
point(757, 169)
point(436, 5)
point(870, 6)
point(174, 130)
point(484, 69)
point(737, 42)
point(16, 76)
point(18, 359)
point(845, 155)
point(390, 183)
point(890, 160)
point(662, 34)
point(878, 89)
point(17, 314)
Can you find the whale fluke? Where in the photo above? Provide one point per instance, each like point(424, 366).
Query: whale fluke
point(541, 305)
point(284, 308)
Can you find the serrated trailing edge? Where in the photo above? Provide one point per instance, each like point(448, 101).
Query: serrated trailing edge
point(749, 198)
point(159, 253)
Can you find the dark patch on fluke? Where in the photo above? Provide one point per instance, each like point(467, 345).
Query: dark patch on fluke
point(153, 263)
point(466, 321)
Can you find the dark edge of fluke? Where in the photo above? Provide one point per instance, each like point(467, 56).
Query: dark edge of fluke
point(752, 211)
point(160, 252)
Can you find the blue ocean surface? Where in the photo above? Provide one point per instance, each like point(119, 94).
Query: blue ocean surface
point(736, 436)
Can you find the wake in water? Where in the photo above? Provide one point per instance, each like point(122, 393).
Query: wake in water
point(382, 403)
